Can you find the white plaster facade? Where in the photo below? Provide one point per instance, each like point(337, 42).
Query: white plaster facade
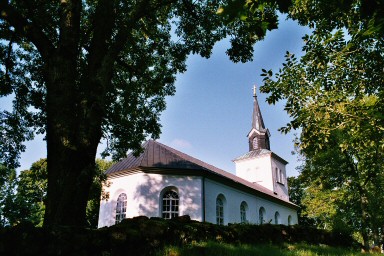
point(256, 170)
point(263, 169)
point(197, 198)
point(233, 199)
point(144, 196)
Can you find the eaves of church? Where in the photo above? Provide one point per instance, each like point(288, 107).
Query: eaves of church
point(161, 159)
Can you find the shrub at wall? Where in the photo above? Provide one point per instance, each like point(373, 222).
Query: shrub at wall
point(144, 236)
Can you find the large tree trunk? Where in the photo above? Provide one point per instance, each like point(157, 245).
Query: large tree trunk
point(73, 134)
point(365, 218)
point(75, 109)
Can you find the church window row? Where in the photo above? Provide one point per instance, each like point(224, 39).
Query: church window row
point(170, 208)
point(243, 213)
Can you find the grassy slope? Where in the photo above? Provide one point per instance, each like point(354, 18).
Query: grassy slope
point(214, 248)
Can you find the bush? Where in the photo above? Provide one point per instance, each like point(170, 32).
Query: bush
point(144, 236)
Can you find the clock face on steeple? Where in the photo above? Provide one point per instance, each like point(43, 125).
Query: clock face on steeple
point(255, 143)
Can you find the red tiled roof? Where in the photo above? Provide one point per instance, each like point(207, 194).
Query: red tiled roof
point(161, 156)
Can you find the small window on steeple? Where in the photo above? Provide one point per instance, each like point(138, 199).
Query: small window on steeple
point(255, 143)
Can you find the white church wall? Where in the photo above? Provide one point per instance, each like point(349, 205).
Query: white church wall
point(143, 196)
point(235, 197)
point(256, 170)
point(281, 188)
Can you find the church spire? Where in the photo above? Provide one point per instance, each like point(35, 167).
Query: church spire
point(257, 119)
point(258, 137)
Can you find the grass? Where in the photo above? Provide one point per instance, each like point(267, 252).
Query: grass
point(215, 248)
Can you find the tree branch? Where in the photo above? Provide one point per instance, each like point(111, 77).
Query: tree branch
point(70, 12)
point(143, 10)
point(24, 28)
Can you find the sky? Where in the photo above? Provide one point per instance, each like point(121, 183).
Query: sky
point(211, 112)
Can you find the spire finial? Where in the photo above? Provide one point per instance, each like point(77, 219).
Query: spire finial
point(254, 90)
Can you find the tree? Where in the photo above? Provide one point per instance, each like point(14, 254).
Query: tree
point(297, 192)
point(25, 202)
point(8, 182)
point(80, 71)
point(322, 14)
point(335, 91)
point(93, 203)
point(31, 193)
point(331, 196)
point(335, 94)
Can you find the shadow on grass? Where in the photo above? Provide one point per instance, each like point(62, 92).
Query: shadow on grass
point(222, 249)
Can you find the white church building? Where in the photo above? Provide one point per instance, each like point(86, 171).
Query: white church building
point(164, 182)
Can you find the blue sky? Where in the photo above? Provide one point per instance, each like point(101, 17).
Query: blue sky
point(211, 112)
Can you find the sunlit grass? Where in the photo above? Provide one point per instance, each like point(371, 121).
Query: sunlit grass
point(222, 249)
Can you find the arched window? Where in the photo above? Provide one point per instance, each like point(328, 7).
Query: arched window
point(121, 208)
point(261, 215)
point(289, 220)
point(170, 204)
point(220, 210)
point(277, 218)
point(243, 212)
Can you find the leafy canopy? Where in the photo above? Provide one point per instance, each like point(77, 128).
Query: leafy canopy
point(121, 58)
point(334, 93)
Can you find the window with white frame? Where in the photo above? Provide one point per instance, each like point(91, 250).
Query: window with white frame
point(282, 177)
point(279, 175)
point(289, 220)
point(220, 210)
point(170, 204)
point(121, 208)
point(243, 212)
point(277, 218)
point(261, 215)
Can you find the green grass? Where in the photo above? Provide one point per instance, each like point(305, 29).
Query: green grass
point(221, 249)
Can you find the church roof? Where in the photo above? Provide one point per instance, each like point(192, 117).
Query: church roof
point(156, 154)
point(259, 152)
point(160, 156)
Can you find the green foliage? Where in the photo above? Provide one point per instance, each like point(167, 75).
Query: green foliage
point(297, 188)
point(129, 46)
point(334, 93)
point(23, 197)
point(82, 71)
point(31, 193)
point(8, 181)
point(93, 204)
point(258, 17)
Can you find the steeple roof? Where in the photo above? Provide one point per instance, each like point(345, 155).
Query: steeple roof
point(257, 118)
point(258, 136)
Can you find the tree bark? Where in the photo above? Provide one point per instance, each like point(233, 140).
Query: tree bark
point(364, 218)
point(72, 141)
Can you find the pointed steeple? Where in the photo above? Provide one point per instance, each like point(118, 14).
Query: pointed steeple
point(258, 137)
point(257, 119)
